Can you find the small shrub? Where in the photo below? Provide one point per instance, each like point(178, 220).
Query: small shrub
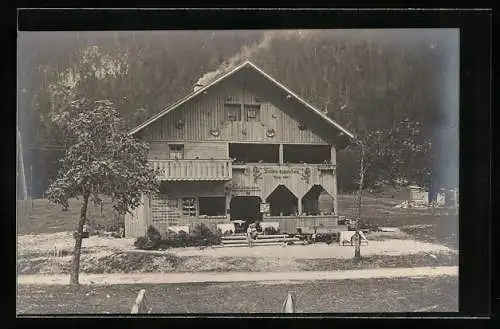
point(328, 238)
point(153, 234)
point(271, 231)
point(140, 242)
point(202, 230)
point(201, 236)
point(144, 243)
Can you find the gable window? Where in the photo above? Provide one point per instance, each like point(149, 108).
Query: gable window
point(233, 112)
point(176, 151)
point(252, 112)
point(189, 207)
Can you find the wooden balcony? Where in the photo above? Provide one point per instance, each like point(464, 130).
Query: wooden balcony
point(319, 166)
point(194, 170)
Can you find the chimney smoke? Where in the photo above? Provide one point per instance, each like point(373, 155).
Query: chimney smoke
point(197, 86)
point(246, 53)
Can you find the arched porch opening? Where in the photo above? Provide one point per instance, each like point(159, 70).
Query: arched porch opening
point(246, 208)
point(282, 202)
point(317, 201)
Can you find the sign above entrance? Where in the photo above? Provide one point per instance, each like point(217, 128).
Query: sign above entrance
point(278, 173)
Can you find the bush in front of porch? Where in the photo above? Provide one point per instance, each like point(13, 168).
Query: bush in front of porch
point(201, 236)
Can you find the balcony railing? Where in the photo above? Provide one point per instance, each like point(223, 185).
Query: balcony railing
point(196, 169)
point(319, 166)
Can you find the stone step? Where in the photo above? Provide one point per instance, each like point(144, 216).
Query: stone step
point(254, 245)
point(244, 237)
point(259, 241)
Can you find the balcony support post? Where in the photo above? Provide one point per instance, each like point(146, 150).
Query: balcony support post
point(334, 162)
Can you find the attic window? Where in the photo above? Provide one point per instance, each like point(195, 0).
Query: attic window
point(252, 112)
point(233, 112)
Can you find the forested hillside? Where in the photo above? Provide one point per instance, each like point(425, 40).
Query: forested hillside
point(366, 80)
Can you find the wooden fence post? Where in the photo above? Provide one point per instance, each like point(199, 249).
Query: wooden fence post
point(289, 304)
point(140, 303)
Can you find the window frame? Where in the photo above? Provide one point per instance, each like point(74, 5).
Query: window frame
point(192, 211)
point(176, 149)
point(255, 108)
point(230, 108)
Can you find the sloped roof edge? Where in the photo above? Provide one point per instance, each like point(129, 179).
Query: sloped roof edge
point(226, 75)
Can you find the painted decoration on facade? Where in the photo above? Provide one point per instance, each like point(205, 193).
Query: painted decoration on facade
point(306, 175)
point(284, 173)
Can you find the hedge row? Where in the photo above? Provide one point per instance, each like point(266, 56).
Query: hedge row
point(201, 236)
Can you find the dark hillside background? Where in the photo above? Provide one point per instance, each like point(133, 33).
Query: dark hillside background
point(364, 79)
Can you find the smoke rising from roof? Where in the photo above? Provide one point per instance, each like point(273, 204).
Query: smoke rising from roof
point(247, 52)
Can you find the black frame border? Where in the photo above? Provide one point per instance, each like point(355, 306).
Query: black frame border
point(476, 238)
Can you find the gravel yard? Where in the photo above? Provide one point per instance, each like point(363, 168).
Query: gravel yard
point(392, 247)
point(39, 244)
point(110, 255)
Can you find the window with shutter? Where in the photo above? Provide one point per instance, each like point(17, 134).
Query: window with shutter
point(233, 112)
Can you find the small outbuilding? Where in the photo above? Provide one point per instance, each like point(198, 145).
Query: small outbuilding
point(418, 195)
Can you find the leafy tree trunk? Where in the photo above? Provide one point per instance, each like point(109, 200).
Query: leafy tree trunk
point(75, 267)
point(357, 247)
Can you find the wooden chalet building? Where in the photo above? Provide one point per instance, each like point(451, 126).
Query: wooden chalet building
point(242, 147)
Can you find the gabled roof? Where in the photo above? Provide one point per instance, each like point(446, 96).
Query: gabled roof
point(225, 76)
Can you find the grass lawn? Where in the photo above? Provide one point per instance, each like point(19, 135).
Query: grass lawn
point(47, 217)
point(421, 224)
point(378, 261)
point(438, 294)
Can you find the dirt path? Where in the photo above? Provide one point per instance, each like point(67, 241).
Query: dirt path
point(239, 276)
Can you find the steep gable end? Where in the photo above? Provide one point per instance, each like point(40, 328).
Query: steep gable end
point(280, 112)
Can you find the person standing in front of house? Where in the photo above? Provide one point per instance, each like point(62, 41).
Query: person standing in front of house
point(251, 234)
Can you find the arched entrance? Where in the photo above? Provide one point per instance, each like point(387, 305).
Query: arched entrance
point(245, 208)
point(317, 201)
point(282, 202)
